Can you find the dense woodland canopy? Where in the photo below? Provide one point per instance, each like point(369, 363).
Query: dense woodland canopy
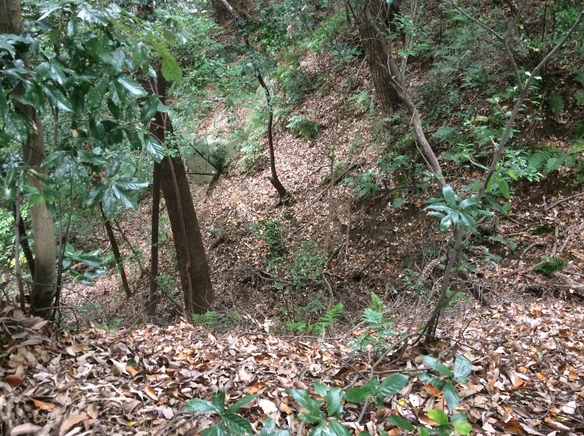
point(400, 180)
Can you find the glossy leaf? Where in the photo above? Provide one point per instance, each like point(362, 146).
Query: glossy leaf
point(149, 109)
point(199, 405)
point(449, 196)
point(3, 105)
point(424, 431)
point(216, 430)
point(237, 425)
point(57, 97)
point(154, 148)
point(450, 396)
point(334, 402)
point(133, 184)
point(445, 430)
point(217, 397)
point(132, 86)
point(95, 195)
point(338, 428)
point(458, 417)
point(392, 385)
point(302, 397)
point(320, 389)
point(438, 416)
point(53, 159)
point(358, 394)
point(440, 367)
point(242, 402)
point(402, 423)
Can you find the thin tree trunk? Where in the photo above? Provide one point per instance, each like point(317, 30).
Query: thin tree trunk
point(43, 288)
point(24, 241)
point(116, 251)
point(153, 298)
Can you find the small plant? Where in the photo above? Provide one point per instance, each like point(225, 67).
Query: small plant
point(374, 319)
point(551, 265)
point(216, 321)
point(270, 230)
point(365, 184)
point(301, 126)
point(328, 320)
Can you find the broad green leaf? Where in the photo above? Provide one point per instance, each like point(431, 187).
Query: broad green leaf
point(171, 69)
point(149, 109)
point(462, 427)
point(96, 94)
point(132, 86)
point(57, 97)
point(321, 430)
point(94, 159)
point(462, 368)
point(402, 423)
point(424, 431)
point(124, 196)
point(440, 367)
point(53, 159)
point(242, 402)
point(449, 196)
point(199, 405)
point(320, 389)
point(269, 426)
point(237, 425)
point(216, 430)
point(334, 402)
point(109, 202)
point(392, 385)
point(217, 397)
point(450, 396)
point(338, 428)
point(154, 148)
point(133, 184)
point(445, 430)
point(504, 188)
point(358, 394)
point(438, 416)
point(302, 397)
point(426, 378)
point(17, 126)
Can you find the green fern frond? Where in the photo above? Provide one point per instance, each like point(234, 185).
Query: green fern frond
point(376, 303)
point(556, 104)
point(539, 158)
point(551, 265)
point(332, 315)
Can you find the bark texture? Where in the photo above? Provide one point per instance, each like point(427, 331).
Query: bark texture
point(192, 262)
point(375, 52)
point(43, 288)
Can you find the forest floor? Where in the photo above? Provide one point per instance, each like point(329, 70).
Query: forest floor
point(114, 371)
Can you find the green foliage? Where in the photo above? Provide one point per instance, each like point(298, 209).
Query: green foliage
point(74, 258)
point(271, 231)
point(230, 422)
point(556, 104)
point(217, 321)
point(304, 127)
point(551, 265)
point(295, 83)
point(377, 326)
point(365, 184)
point(328, 321)
point(307, 265)
point(455, 211)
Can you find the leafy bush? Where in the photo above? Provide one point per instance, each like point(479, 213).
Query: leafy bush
point(329, 319)
point(301, 126)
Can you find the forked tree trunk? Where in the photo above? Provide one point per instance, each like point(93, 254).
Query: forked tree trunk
point(43, 288)
point(376, 54)
point(188, 242)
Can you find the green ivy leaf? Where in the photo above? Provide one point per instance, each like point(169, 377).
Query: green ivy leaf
point(450, 396)
point(392, 385)
point(199, 405)
point(402, 423)
point(462, 427)
point(438, 416)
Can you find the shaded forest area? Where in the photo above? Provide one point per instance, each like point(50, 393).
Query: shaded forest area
point(292, 217)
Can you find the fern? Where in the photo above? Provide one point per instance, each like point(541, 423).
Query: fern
point(579, 96)
point(551, 265)
point(332, 315)
point(579, 77)
point(376, 303)
point(539, 158)
point(398, 202)
point(444, 133)
point(556, 104)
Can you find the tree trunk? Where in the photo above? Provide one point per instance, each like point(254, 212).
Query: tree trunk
point(43, 288)
point(376, 55)
point(155, 219)
point(188, 242)
point(116, 251)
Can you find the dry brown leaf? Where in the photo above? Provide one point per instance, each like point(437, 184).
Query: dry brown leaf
point(432, 390)
point(555, 425)
point(132, 370)
point(71, 421)
point(43, 406)
point(512, 425)
point(256, 387)
point(13, 380)
point(93, 411)
point(151, 393)
point(25, 429)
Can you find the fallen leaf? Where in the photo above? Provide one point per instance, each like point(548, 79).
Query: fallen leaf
point(23, 429)
point(151, 393)
point(71, 421)
point(43, 406)
point(13, 380)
